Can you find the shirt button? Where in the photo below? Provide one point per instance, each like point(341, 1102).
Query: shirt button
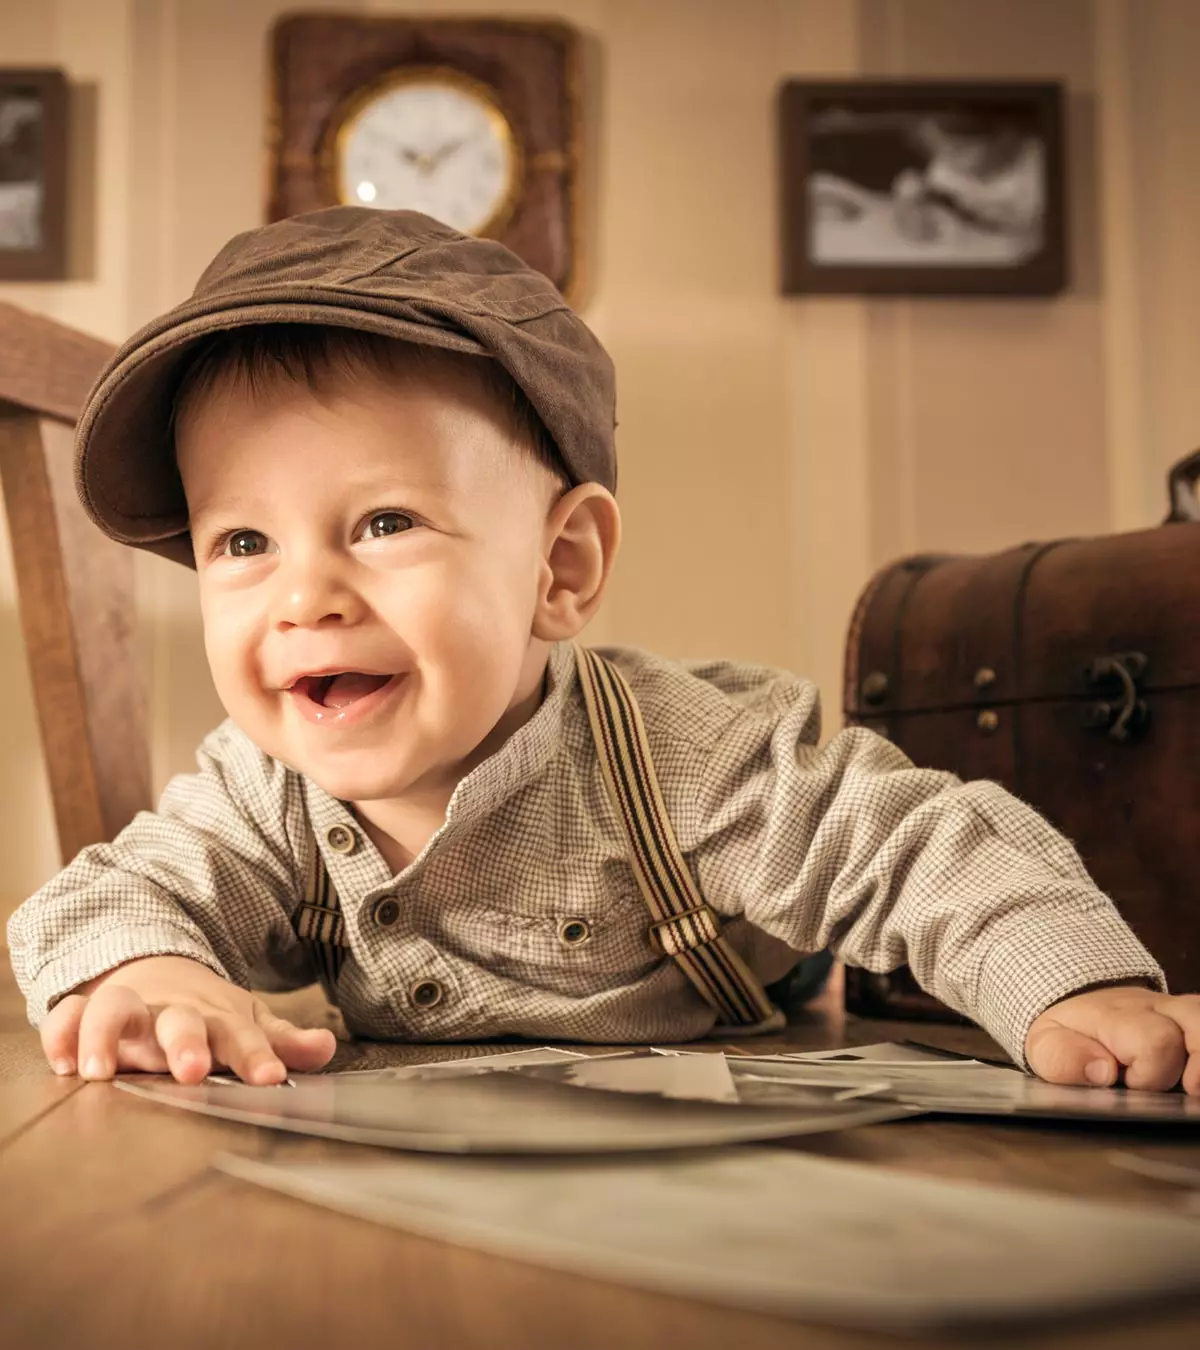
point(341, 838)
point(386, 911)
point(426, 994)
point(571, 932)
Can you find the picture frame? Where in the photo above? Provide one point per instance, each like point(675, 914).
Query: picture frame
point(33, 173)
point(922, 188)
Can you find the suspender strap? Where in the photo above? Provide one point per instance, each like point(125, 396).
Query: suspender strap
point(683, 926)
point(320, 924)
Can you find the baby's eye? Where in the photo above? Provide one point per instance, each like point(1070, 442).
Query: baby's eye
point(383, 523)
point(246, 544)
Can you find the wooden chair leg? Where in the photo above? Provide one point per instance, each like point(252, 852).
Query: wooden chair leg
point(75, 593)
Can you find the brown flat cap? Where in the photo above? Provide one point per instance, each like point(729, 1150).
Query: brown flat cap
point(396, 273)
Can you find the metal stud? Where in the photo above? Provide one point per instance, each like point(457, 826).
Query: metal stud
point(875, 687)
point(426, 994)
point(571, 932)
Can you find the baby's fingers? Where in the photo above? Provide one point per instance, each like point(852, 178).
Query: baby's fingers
point(60, 1033)
point(245, 1048)
point(1061, 1055)
point(114, 1011)
point(1184, 1011)
point(299, 1048)
point(183, 1034)
point(1152, 1048)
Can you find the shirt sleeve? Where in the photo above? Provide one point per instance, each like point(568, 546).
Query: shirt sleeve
point(851, 847)
point(209, 875)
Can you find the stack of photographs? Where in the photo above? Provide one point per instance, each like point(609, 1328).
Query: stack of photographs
point(526, 1103)
point(933, 1080)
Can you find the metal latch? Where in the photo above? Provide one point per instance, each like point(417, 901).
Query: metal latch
point(1123, 713)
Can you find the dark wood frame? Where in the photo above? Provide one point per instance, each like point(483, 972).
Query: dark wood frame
point(1045, 274)
point(319, 59)
point(47, 263)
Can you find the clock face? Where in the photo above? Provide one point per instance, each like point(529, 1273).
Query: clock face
point(434, 142)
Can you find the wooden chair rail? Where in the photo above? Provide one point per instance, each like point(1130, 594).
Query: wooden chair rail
point(46, 367)
point(75, 588)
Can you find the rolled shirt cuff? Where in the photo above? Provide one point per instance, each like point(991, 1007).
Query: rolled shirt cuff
point(1075, 949)
point(65, 972)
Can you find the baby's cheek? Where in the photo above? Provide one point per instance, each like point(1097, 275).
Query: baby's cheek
point(234, 665)
point(472, 679)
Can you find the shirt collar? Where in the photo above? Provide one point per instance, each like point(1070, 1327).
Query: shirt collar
point(527, 753)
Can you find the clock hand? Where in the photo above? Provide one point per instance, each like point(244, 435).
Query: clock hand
point(426, 164)
point(444, 150)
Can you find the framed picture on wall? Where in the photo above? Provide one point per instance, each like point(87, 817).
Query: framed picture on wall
point(922, 188)
point(33, 162)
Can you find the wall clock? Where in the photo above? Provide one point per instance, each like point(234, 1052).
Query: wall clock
point(473, 121)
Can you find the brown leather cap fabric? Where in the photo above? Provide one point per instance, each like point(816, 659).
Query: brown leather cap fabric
point(397, 273)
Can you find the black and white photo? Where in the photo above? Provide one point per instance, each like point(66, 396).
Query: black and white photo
point(922, 188)
point(32, 170)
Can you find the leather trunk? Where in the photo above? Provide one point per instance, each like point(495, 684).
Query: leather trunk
point(1069, 672)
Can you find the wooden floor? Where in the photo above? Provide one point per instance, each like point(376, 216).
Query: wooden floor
point(117, 1232)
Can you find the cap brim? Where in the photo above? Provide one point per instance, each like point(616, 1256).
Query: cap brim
point(125, 465)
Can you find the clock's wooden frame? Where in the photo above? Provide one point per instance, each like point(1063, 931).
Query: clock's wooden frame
point(321, 63)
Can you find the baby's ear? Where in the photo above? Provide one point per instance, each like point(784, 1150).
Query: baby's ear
point(583, 533)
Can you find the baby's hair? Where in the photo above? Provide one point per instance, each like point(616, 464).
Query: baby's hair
point(319, 356)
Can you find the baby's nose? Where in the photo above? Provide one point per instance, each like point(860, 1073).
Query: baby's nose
point(315, 596)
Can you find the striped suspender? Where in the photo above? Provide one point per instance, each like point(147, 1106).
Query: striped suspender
point(320, 924)
point(684, 926)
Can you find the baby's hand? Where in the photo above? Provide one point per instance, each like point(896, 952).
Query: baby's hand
point(168, 1014)
point(1087, 1037)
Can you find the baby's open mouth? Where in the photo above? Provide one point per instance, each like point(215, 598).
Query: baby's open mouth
point(340, 690)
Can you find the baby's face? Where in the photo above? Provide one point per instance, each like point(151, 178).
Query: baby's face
point(369, 564)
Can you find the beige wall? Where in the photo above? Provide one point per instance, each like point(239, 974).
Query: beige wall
point(773, 451)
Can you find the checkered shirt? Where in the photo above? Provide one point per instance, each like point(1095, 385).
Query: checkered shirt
point(522, 916)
